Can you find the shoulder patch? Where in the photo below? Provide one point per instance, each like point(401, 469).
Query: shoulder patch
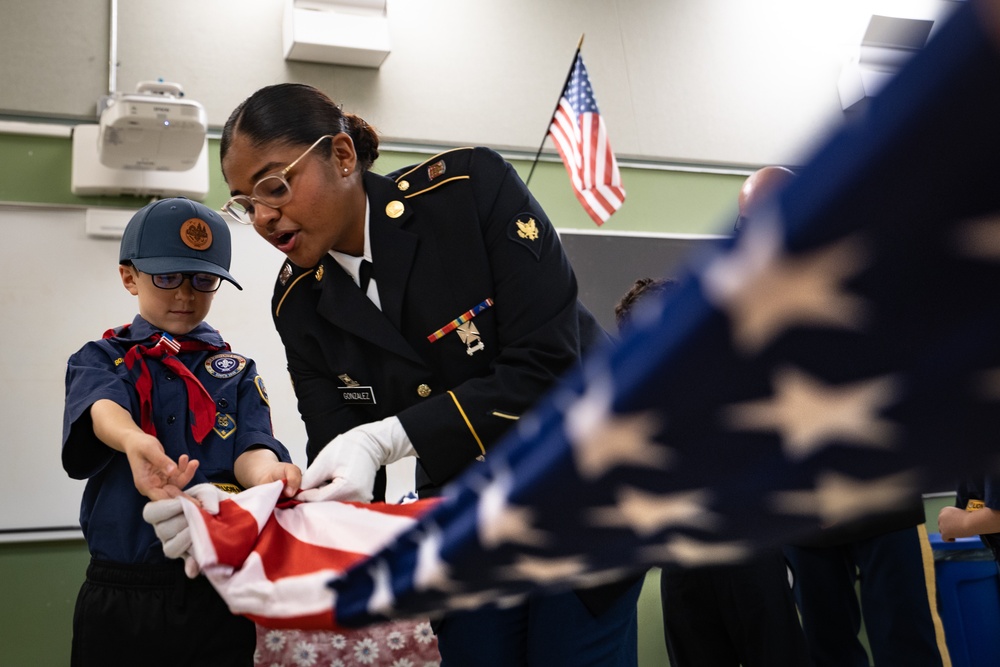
point(434, 172)
point(259, 383)
point(526, 229)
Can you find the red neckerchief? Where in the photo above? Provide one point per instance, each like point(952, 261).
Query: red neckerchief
point(165, 348)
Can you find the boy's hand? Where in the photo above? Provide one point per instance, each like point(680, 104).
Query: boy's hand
point(289, 472)
point(261, 466)
point(186, 468)
point(154, 473)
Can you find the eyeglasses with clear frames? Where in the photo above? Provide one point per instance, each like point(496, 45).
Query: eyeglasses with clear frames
point(273, 191)
point(201, 282)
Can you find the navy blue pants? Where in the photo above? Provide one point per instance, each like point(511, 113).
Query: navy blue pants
point(547, 631)
point(900, 613)
point(732, 615)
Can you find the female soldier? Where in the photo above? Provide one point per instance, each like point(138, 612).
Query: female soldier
point(470, 313)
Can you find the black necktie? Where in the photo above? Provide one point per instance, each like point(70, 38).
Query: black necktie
point(365, 275)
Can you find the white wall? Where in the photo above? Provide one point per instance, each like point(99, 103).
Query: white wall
point(722, 82)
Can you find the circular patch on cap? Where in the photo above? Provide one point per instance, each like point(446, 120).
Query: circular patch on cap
point(196, 234)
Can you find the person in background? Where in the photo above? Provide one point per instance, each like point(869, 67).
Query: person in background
point(891, 559)
point(756, 189)
point(642, 290)
point(421, 314)
point(164, 389)
point(723, 616)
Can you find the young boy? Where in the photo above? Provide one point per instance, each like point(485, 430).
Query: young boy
point(164, 388)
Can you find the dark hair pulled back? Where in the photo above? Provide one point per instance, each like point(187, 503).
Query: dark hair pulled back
point(297, 114)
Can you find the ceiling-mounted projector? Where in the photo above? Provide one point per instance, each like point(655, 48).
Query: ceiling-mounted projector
point(152, 129)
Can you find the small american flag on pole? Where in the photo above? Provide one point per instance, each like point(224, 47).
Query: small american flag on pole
point(578, 132)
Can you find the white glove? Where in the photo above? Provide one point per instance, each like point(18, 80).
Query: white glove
point(171, 527)
point(345, 469)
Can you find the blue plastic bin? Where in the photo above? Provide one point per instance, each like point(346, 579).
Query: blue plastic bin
point(969, 600)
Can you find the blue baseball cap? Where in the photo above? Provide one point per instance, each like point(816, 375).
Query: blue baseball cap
point(177, 235)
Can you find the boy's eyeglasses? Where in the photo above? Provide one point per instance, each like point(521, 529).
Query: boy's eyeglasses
point(272, 191)
point(201, 282)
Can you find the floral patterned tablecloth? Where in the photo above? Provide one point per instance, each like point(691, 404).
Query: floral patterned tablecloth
point(392, 644)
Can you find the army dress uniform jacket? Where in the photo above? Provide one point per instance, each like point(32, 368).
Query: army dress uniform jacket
point(457, 234)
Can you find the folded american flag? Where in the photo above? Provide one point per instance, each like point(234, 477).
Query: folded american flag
point(270, 559)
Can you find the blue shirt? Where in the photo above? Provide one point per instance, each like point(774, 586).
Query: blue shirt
point(111, 511)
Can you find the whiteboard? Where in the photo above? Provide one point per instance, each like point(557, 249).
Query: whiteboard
point(61, 288)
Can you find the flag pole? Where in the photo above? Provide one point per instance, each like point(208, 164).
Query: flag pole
point(569, 74)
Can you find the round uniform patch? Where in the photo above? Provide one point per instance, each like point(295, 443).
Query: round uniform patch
point(196, 234)
point(225, 365)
